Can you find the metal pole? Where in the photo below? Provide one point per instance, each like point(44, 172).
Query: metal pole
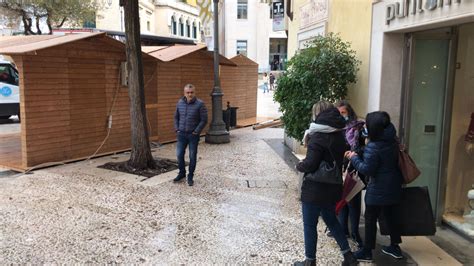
point(217, 133)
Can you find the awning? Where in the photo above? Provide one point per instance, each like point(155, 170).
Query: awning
point(278, 35)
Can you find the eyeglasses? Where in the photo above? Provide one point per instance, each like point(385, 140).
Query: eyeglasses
point(190, 92)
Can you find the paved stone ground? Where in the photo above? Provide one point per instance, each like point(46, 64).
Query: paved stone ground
point(266, 107)
point(78, 213)
point(8, 126)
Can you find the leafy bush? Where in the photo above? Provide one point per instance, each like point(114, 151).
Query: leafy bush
point(321, 71)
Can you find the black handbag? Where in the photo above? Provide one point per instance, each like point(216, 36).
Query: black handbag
point(326, 173)
point(415, 214)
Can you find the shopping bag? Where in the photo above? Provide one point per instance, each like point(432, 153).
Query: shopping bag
point(415, 214)
point(352, 185)
point(407, 166)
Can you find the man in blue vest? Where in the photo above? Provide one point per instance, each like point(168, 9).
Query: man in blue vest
point(189, 120)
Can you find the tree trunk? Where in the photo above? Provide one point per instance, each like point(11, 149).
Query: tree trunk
point(38, 30)
point(140, 157)
point(26, 23)
point(48, 22)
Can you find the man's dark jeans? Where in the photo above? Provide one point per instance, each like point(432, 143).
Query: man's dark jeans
point(185, 139)
point(311, 213)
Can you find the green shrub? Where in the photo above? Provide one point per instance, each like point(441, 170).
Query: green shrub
point(321, 71)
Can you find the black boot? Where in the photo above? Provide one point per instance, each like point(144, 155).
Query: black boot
point(179, 177)
point(349, 259)
point(306, 262)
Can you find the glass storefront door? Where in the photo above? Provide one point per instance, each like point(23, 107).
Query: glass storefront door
point(427, 90)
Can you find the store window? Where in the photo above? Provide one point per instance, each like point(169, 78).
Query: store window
point(194, 30)
point(174, 29)
point(242, 47)
point(188, 29)
point(181, 27)
point(459, 201)
point(242, 6)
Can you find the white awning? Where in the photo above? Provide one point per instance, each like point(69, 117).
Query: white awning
point(278, 35)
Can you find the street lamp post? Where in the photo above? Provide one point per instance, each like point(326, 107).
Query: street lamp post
point(217, 133)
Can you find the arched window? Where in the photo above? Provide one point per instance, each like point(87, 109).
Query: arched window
point(174, 28)
point(188, 29)
point(194, 30)
point(181, 27)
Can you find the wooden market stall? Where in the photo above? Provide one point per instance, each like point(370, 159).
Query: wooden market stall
point(70, 86)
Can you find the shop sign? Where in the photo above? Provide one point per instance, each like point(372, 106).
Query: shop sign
point(405, 8)
point(313, 12)
point(278, 9)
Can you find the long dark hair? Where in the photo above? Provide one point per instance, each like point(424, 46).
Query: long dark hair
point(351, 113)
point(376, 122)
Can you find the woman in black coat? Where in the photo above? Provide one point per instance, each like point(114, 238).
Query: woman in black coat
point(325, 143)
point(383, 192)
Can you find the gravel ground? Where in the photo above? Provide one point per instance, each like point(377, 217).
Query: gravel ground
point(77, 213)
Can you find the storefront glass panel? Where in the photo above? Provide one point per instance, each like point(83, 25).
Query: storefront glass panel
point(428, 90)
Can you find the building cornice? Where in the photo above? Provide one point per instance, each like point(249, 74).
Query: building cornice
point(183, 7)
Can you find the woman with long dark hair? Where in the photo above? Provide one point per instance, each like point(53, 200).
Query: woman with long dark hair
point(380, 163)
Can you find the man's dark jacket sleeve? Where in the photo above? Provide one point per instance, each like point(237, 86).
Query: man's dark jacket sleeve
point(176, 118)
point(203, 119)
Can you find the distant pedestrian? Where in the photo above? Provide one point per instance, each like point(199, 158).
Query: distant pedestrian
point(384, 189)
point(189, 120)
point(275, 64)
point(325, 142)
point(272, 81)
point(265, 83)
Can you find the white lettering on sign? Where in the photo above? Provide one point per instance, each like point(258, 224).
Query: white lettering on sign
point(404, 8)
point(278, 8)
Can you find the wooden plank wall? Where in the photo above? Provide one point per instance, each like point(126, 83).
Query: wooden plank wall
point(67, 93)
point(194, 68)
point(239, 85)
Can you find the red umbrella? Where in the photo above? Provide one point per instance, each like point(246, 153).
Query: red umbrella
point(352, 185)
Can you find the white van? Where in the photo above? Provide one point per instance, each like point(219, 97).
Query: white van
point(9, 90)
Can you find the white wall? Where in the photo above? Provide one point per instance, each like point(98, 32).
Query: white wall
point(256, 29)
point(158, 14)
point(111, 17)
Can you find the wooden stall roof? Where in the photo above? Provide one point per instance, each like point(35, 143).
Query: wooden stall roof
point(30, 44)
point(242, 60)
point(170, 53)
point(18, 45)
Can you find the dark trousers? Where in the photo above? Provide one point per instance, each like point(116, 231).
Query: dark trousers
point(351, 212)
point(311, 213)
point(372, 214)
point(185, 139)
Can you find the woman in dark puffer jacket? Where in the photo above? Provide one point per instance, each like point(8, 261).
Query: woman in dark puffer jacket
point(380, 163)
point(325, 142)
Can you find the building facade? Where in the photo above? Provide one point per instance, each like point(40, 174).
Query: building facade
point(422, 73)
point(351, 19)
point(167, 18)
point(246, 28)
